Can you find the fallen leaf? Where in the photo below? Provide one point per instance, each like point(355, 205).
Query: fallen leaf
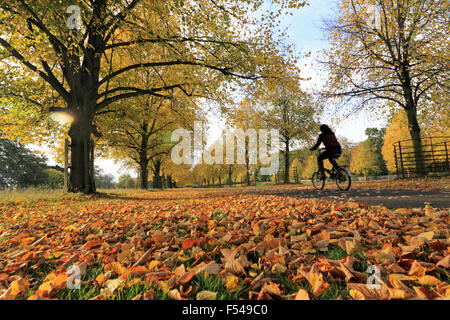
point(302, 295)
point(206, 295)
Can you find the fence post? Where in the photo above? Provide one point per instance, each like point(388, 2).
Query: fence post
point(446, 155)
point(401, 159)
point(396, 160)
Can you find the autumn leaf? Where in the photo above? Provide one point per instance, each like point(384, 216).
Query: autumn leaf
point(189, 243)
point(232, 283)
point(116, 267)
point(206, 295)
point(386, 255)
point(302, 295)
point(185, 278)
point(16, 288)
point(111, 286)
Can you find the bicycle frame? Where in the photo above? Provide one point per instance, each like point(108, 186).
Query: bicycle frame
point(334, 173)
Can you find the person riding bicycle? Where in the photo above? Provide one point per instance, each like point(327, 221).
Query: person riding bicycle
point(332, 148)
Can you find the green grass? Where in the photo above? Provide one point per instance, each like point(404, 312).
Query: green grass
point(289, 286)
point(333, 253)
point(42, 270)
point(87, 289)
point(215, 284)
point(335, 290)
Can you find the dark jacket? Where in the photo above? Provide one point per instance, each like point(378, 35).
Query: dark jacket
point(329, 140)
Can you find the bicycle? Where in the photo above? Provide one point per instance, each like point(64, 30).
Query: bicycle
point(342, 176)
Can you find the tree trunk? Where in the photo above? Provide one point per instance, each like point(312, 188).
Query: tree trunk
point(414, 131)
point(286, 163)
point(143, 175)
point(157, 182)
point(414, 128)
point(81, 174)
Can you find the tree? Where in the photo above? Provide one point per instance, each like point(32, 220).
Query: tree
point(309, 167)
point(140, 131)
point(247, 118)
point(401, 58)
point(54, 179)
point(395, 132)
point(375, 138)
point(19, 166)
point(103, 181)
point(293, 114)
point(126, 182)
point(365, 159)
point(81, 66)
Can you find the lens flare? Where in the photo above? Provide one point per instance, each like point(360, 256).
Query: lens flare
point(61, 117)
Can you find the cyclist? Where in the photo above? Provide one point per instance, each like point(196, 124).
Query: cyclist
point(332, 148)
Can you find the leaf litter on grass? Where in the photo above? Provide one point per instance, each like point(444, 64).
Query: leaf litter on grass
point(216, 244)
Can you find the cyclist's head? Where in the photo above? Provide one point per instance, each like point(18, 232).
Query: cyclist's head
point(326, 129)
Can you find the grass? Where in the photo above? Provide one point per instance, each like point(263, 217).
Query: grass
point(216, 284)
point(336, 289)
point(87, 289)
point(97, 206)
point(334, 253)
point(43, 269)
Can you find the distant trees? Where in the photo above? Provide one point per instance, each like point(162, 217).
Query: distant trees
point(292, 112)
point(365, 159)
point(19, 166)
point(103, 181)
point(126, 182)
point(54, 179)
point(395, 132)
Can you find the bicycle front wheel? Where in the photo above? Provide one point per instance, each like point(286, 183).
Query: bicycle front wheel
point(343, 179)
point(316, 181)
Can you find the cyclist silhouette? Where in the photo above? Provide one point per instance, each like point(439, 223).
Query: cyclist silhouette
point(332, 148)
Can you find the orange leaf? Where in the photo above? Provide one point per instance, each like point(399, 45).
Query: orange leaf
point(189, 243)
point(45, 289)
point(92, 244)
point(3, 276)
point(302, 295)
point(27, 241)
point(31, 255)
point(187, 277)
point(60, 281)
point(159, 237)
point(117, 267)
point(100, 279)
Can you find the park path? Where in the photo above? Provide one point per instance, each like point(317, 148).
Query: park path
point(391, 197)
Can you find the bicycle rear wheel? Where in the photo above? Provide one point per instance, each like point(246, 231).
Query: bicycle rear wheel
point(343, 179)
point(316, 181)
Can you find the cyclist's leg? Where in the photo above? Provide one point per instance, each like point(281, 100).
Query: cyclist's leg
point(334, 154)
point(320, 160)
point(333, 162)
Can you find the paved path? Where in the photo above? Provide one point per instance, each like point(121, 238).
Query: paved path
point(390, 198)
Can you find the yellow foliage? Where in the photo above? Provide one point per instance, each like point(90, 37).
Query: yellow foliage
point(396, 131)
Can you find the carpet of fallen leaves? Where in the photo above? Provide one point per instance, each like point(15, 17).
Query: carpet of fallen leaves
point(218, 244)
